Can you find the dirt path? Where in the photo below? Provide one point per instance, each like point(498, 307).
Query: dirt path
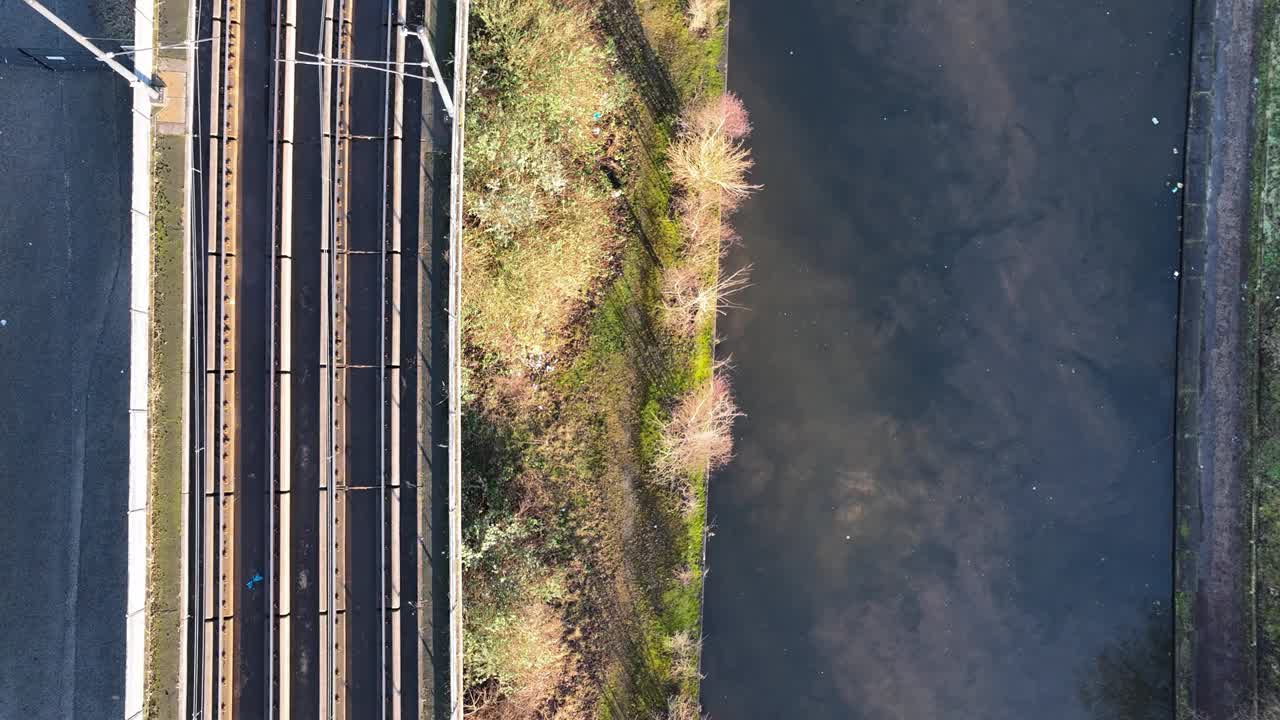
point(1216, 239)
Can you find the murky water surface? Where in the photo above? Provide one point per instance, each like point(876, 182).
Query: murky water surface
point(952, 496)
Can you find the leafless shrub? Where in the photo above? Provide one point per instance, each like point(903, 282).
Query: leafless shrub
point(724, 113)
point(712, 165)
point(699, 434)
point(703, 15)
point(684, 649)
point(689, 299)
point(686, 575)
point(680, 707)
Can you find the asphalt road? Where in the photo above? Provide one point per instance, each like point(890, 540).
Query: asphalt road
point(64, 350)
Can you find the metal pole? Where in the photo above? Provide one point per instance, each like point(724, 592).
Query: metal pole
point(421, 34)
point(133, 77)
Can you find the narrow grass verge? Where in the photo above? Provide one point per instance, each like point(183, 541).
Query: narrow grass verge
point(164, 516)
point(1265, 323)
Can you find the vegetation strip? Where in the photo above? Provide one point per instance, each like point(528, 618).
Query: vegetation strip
point(601, 159)
point(165, 506)
point(164, 517)
point(1265, 328)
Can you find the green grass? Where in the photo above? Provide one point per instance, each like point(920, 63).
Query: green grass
point(165, 502)
point(171, 23)
point(694, 65)
point(694, 62)
point(1264, 329)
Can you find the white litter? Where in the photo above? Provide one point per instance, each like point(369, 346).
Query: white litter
point(1175, 151)
point(3, 323)
point(1155, 121)
point(1176, 273)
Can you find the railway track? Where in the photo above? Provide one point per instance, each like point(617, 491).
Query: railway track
point(317, 468)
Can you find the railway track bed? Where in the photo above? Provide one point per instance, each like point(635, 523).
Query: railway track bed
point(315, 490)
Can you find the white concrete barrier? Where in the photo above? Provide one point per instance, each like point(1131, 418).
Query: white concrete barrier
point(139, 367)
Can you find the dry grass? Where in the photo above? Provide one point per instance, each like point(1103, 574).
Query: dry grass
point(559, 265)
point(703, 15)
point(542, 104)
point(559, 419)
point(699, 435)
point(529, 663)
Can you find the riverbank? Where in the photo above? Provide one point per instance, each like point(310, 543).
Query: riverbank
point(1218, 373)
point(600, 158)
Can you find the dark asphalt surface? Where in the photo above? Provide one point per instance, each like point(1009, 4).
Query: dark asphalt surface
point(64, 350)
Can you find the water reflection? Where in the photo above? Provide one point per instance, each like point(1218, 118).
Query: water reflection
point(1130, 678)
point(954, 482)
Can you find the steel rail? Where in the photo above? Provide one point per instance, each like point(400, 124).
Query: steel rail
point(282, 586)
point(334, 29)
point(227, 327)
point(216, 695)
point(197, 383)
point(329, 430)
point(396, 130)
point(384, 537)
point(275, 423)
point(342, 243)
point(461, 19)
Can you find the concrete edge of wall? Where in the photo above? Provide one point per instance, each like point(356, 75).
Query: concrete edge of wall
point(139, 367)
point(1190, 335)
point(723, 64)
point(455, 359)
point(188, 254)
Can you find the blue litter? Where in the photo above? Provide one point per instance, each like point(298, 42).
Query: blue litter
point(596, 116)
point(253, 581)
